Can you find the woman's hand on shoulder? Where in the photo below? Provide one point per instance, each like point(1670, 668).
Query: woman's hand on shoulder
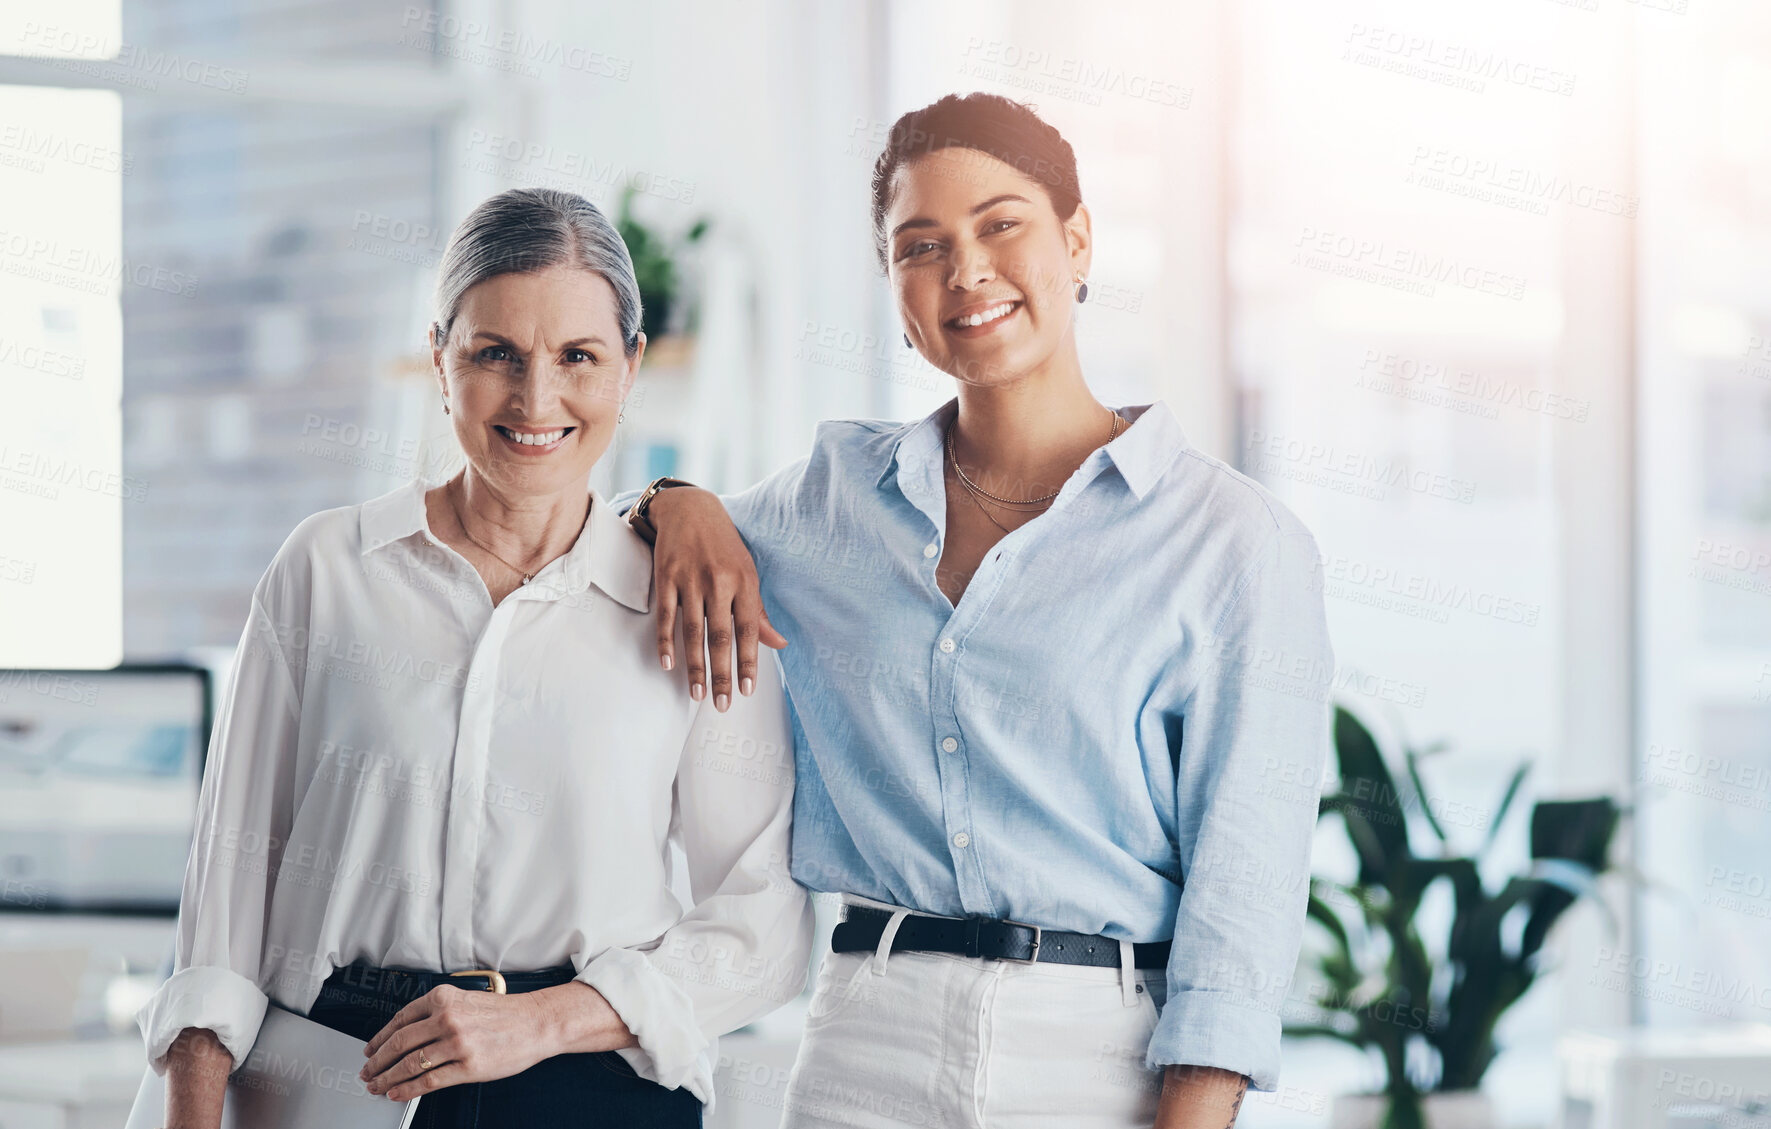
point(702, 571)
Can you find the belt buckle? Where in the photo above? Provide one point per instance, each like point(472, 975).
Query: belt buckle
point(495, 978)
point(1038, 936)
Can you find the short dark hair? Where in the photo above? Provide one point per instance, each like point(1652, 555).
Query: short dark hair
point(1005, 129)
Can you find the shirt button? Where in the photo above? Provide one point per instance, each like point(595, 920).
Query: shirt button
point(949, 744)
point(929, 550)
point(947, 646)
point(962, 840)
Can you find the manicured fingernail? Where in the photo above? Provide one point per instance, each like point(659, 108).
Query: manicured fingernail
point(669, 662)
point(746, 686)
point(719, 702)
point(696, 692)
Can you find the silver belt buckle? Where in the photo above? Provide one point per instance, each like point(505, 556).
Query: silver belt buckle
point(1038, 936)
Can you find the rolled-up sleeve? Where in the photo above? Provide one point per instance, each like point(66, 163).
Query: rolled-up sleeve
point(243, 819)
point(742, 950)
point(1254, 726)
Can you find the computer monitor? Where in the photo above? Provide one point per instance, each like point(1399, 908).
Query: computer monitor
point(99, 776)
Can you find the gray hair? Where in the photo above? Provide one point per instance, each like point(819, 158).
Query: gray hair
point(521, 230)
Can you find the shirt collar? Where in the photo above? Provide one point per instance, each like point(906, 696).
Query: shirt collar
point(1143, 451)
point(608, 553)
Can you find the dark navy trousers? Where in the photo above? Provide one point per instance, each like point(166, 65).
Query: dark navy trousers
point(572, 1091)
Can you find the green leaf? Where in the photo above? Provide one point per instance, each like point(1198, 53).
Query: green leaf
point(1420, 793)
point(1373, 801)
point(1578, 830)
point(1320, 1031)
point(1574, 882)
point(1506, 801)
point(1323, 913)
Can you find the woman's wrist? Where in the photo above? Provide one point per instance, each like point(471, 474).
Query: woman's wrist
point(642, 514)
point(577, 1019)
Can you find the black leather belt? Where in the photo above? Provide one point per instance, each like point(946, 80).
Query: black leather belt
point(862, 926)
point(410, 983)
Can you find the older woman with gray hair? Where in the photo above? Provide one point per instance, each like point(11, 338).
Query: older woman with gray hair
point(447, 774)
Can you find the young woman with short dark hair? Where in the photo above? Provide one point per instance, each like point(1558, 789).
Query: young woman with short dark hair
point(1053, 673)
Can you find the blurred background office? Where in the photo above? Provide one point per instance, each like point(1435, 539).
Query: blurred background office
point(1481, 290)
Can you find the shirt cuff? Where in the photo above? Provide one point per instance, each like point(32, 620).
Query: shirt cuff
point(1201, 1028)
point(218, 999)
point(660, 1015)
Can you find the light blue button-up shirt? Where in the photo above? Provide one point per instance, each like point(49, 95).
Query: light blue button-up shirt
point(1122, 728)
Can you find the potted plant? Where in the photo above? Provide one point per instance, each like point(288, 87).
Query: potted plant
point(655, 265)
point(1432, 1018)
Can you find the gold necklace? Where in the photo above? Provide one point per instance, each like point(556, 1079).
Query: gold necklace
point(527, 576)
point(978, 502)
point(953, 456)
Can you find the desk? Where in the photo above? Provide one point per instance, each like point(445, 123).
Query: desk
point(84, 1084)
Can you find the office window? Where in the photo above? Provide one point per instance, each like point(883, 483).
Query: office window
point(62, 483)
point(1705, 320)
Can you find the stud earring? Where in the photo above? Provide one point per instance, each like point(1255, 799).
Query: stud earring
point(1081, 290)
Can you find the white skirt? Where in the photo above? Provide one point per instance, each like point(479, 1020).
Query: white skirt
point(939, 1039)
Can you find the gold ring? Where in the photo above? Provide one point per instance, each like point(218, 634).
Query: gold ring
point(423, 1061)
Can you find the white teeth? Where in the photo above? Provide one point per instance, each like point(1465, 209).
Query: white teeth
point(535, 440)
point(991, 314)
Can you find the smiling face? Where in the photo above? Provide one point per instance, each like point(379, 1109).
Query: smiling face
point(534, 375)
point(983, 269)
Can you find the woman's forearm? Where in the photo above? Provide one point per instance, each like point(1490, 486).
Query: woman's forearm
point(197, 1068)
point(1200, 1097)
point(702, 570)
point(577, 1020)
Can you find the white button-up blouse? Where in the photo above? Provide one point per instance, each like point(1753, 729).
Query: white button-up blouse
point(404, 774)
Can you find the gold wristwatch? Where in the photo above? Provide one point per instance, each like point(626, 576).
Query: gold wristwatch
point(637, 516)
